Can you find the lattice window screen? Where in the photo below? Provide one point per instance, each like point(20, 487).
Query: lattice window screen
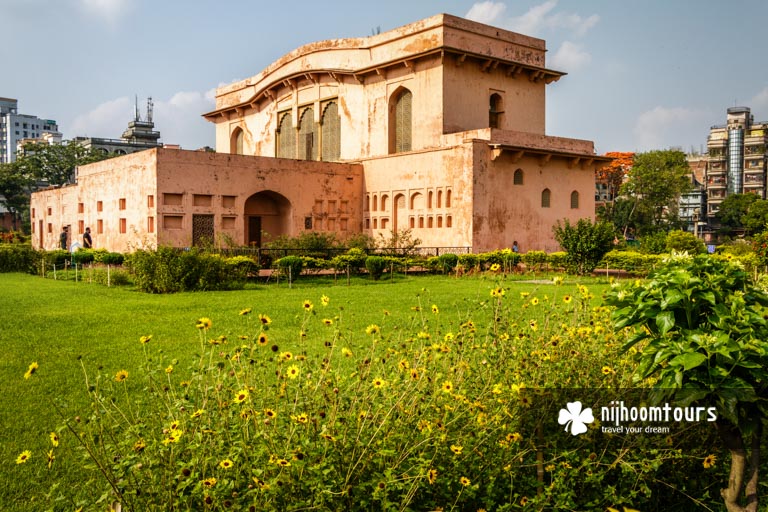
point(286, 138)
point(403, 122)
point(202, 230)
point(307, 148)
point(331, 130)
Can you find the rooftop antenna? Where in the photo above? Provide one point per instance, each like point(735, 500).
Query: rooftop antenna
point(150, 107)
point(136, 109)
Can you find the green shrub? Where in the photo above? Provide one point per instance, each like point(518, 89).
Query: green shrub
point(630, 261)
point(20, 258)
point(447, 262)
point(376, 266)
point(290, 267)
point(654, 243)
point(353, 260)
point(682, 241)
point(469, 261)
point(315, 265)
point(110, 258)
point(82, 256)
point(585, 243)
point(111, 277)
point(534, 260)
point(241, 267)
point(57, 257)
point(557, 260)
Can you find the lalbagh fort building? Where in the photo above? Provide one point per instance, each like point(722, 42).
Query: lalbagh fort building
point(437, 127)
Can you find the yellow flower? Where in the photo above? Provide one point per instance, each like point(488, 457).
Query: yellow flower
point(327, 321)
point(447, 386)
point(567, 299)
point(204, 323)
point(346, 352)
point(379, 383)
point(169, 370)
point(263, 340)
point(241, 396)
point(23, 457)
point(50, 458)
point(121, 376)
point(456, 449)
point(432, 476)
point(139, 445)
point(533, 324)
point(607, 370)
point(198, 413)
point(495, 267)
point(403, 364)
point(265, 320)
point(709, 461)
point(32, 369)
point(325, 300)
point(269, 413)
point(246, 311)
point(209, 482)
point(372, 329)
point(225, 464)
point(535, 301)
point(301, 418)
point(523, 295)
point(464, 481)
point(286, 356)
point(557, 281)
point(293, 371)
point(435, 309)
point(514, 437)
point(308, 305)
point(448, 337)
point(145, 339)
point(54, 439)
point(498, 292)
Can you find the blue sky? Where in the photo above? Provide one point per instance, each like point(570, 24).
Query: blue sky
point(641, 75)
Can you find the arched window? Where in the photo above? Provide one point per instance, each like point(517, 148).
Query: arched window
point(286, 137)
point(448, 198)
point(518, 177)
point(367, 202)
point(236, 142)
point(574, 199)
point(331, 133)
point(375, 202)
point(417, 201)
point(545, 197)
point(429, 199)
point(495, 112)
point(400, 121)
point(307, 147)
point(384, 204)
point(439, 198)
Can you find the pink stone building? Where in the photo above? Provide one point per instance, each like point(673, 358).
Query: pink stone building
point(437, 127)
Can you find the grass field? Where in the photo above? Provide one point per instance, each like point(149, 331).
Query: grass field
point(65, 326)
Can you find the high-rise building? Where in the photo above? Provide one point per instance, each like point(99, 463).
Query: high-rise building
point(15, 127)
point(737, 158)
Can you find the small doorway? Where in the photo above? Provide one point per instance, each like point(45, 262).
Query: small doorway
point(254, 231)
point(40, 235)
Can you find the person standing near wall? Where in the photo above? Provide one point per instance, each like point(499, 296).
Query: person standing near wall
point(87, 240)
point(63, 238)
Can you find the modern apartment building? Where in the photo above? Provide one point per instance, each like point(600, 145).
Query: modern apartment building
point(737, 158)
point(15, 127)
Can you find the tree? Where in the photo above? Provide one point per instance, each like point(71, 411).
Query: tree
point(732, 211)
point(683, 241)
point(655, 183)
point(614, 173)
point(55, 163)
point(585, 243)
point(756, 218)
point(15, 190)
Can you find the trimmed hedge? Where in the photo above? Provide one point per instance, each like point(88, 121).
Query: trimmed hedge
point(19, 258)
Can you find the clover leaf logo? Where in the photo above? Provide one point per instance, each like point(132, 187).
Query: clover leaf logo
point(575, 418)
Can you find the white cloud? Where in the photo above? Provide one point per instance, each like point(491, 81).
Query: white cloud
point(570, 57)
point(537, 19)
point(663, 127)
point(108, 10)
point(178, 119)
point(486, 12)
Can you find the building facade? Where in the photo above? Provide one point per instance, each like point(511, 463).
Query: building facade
point(15, 127)
point(437, 127)
point(737, 153)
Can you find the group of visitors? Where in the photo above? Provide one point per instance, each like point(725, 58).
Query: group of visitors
point(64, 238)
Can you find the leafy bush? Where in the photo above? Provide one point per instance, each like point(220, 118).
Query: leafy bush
point(447, 262)
point(290, 267)
point(112, 277)
point(308, 243)
point(557, 260)
point(654, 243)
point(630, 261)
point(682, 241)
point(702, 331)
point(534, 260)
point(168, 270)
point(241, 267)
point(82, 256)
point(505, 258)
point(470, 261)
point(585, 243)
point(353, 260)
point(57, 257)
point(110, 258)
point(376, 266)
point(20, 258)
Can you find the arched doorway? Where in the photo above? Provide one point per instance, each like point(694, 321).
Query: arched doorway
point(267, 216)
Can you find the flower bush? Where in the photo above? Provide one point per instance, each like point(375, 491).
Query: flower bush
point(450, 407)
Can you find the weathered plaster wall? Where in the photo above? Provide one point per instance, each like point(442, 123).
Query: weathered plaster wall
point(505, 212)
point(429, 190)
point(112, 197)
